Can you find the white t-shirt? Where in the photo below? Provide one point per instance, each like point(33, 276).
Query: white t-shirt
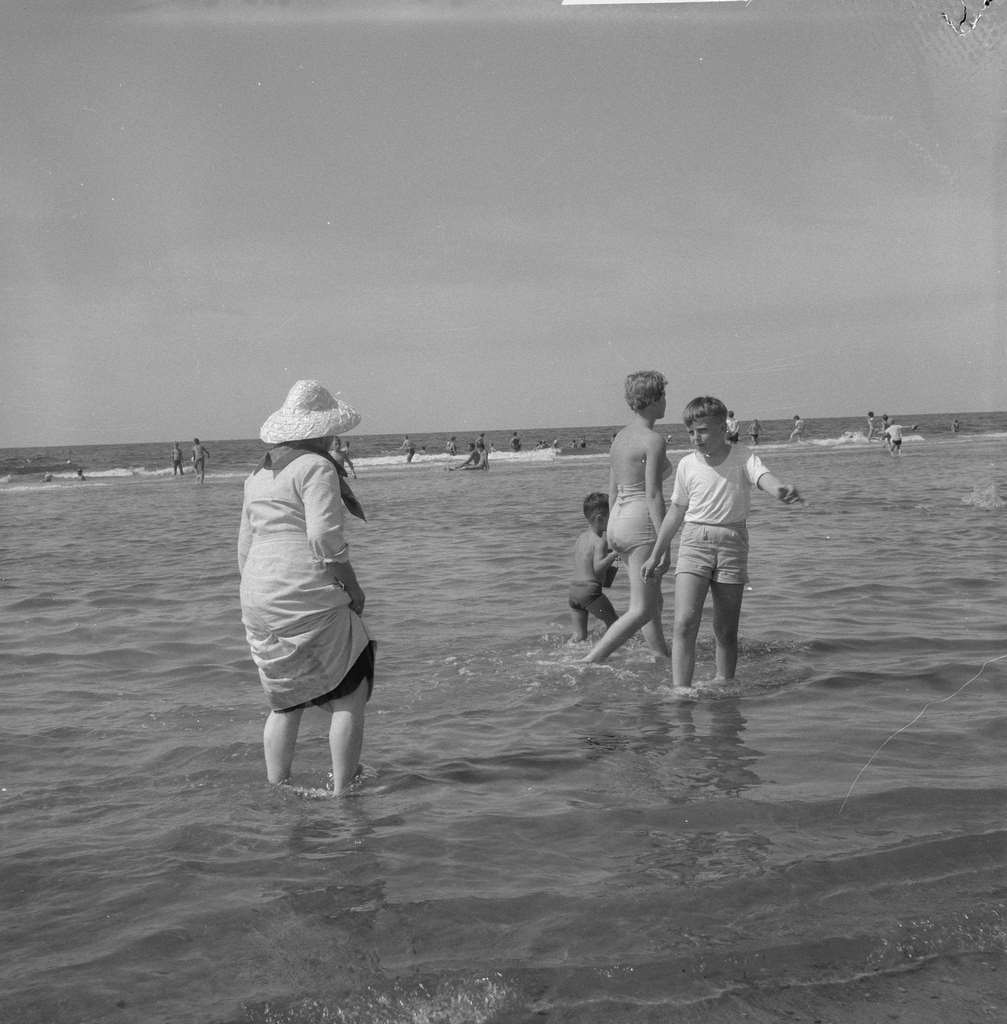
point(717, 494)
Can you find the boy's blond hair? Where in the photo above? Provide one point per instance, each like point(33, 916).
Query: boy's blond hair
point(643, 388)
point(706, 407)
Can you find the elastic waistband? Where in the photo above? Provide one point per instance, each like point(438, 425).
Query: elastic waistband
point(740, 525)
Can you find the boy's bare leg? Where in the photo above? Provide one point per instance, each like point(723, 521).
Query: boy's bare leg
point(279, 736)
point(578, 618)
point(653, 631)
point(644, 606)
point(346, 735)
point(690, 593)
point(601, 608)
point(727, 599)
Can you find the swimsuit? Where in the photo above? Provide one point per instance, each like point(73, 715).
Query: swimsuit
point(629, 524)
point(584, 593)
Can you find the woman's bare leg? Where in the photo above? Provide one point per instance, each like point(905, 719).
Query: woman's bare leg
point(644, 612)
point(346, 735)
point(278, 740)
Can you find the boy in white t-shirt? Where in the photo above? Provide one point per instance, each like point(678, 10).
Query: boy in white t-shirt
point(712, 496)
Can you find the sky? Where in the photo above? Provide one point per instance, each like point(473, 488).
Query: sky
point(483, 214)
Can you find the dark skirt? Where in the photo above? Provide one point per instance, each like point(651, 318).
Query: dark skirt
point(361, 669)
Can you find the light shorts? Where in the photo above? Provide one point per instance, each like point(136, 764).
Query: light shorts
point(717, 553)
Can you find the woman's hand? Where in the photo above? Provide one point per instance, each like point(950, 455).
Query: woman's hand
point(346, 578)
point(357, 599)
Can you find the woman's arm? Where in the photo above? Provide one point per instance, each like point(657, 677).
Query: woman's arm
point(317, 484)
point(654, 478)
point(323, 521)
point(347, 579)
point(244, 540)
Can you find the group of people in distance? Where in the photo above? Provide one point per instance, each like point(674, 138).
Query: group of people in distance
point(200, 453)
point(478, 456)
point(710, 501)
point(890, 433)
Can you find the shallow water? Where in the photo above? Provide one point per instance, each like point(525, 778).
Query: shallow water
point(532, 838)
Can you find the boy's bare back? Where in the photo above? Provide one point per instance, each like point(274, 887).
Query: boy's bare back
point(588, 549)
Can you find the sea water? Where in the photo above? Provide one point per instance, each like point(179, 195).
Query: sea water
point(532, 839)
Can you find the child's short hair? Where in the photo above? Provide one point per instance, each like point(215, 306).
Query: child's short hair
point(595, 502)
point(706, 407)
point(643, 388)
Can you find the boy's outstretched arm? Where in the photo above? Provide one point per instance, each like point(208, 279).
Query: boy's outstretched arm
point(669, 527)
point(787, 493)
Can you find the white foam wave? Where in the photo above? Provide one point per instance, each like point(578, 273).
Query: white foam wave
point(985, 496)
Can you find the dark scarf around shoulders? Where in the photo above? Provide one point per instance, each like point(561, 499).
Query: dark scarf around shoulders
point(280, 456)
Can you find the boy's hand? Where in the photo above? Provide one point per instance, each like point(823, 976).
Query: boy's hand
point(787, 493)
point(656, 565)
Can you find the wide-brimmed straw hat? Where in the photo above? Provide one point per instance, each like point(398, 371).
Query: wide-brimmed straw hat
point(308, 411)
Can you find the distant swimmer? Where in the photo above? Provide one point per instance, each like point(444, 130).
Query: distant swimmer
point(176, 459)
point(594, 568)
point(409, 447)
point(797, 434)
point(894, 434)
point(341, 453)
point(870, 426)
point(515, 442)
point(754, 429)
point(955, 425)
point(733, 428)
point(452, 446)
point(80, 475)
point(199, 456)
